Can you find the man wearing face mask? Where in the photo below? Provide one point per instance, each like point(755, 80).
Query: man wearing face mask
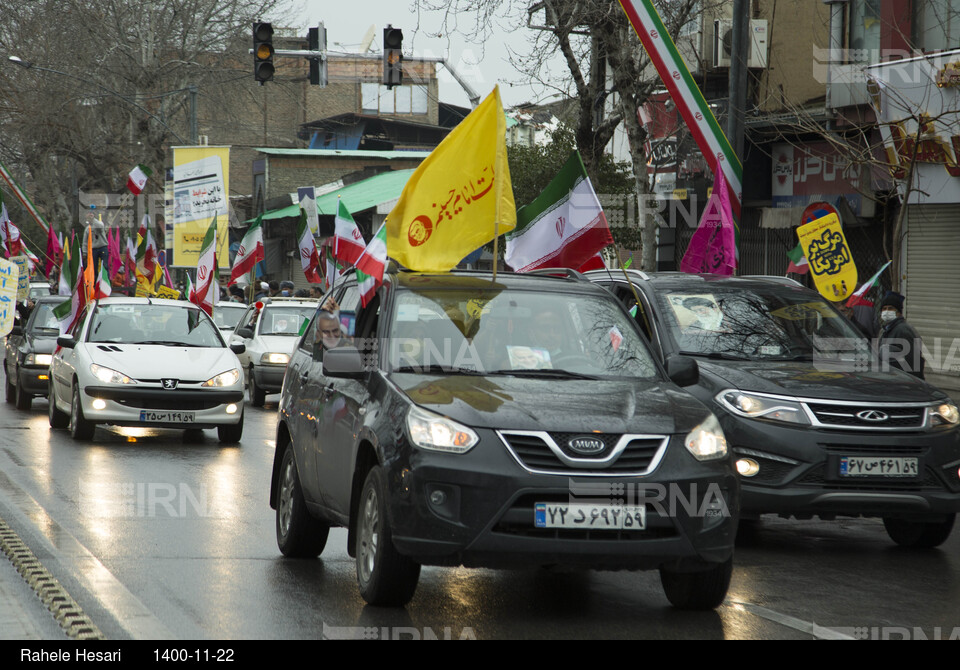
point(900, 344)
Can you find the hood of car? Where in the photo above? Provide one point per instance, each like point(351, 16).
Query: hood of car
point(146, 361)
point(817, 380)
point(566, 405)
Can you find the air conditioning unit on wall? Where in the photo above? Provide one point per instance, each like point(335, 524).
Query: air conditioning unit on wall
point(723, 40)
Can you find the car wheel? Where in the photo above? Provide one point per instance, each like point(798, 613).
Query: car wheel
point(919, 534)
point(299, 535)
point(57, 418)
point(231, 433)
point(10, 389)
point(257, 395)
point(703, 590)
point(385, 576)
point(22, 399)
point(80, 428)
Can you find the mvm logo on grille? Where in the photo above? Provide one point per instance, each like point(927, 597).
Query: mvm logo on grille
point(586, 445)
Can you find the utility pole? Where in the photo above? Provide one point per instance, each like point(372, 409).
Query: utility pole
point(737, 86)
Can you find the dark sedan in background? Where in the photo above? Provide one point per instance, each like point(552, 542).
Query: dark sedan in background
point(29, 349)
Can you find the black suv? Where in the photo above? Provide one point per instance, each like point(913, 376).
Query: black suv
point(819, 423)
point(515, 422)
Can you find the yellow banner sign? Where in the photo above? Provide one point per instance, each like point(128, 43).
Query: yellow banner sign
point(167, 292)
point(828, 255)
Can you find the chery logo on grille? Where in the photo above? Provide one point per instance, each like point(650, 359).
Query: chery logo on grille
point(586, 446)
point(169, 383)
point(872, 415)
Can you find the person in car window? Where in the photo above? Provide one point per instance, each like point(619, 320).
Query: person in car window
point(548, 329)
point(900, 344)
point(329, 331)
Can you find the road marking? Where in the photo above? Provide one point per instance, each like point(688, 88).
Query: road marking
point(809, 627)
point(131, 614)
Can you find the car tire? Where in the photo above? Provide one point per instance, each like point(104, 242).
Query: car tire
point(919, 534)
point(231, 433)
point(703, 590)
point(57, 418)
point(80, 428)
point(385, 576)
point(10, 389)
point(22, 399)
point(299, 535)
point(257, 395)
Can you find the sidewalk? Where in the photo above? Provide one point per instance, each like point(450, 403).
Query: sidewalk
point(22, 615)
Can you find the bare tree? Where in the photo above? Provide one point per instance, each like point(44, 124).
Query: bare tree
point(603, 58)
point(107, 85)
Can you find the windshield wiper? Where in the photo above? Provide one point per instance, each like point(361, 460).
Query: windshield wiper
point(166, 343)
point(547, 372)
point(436, 369)
point(722, 355)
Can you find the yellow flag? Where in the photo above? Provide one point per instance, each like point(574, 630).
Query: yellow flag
point(459, 198)
point(828, 255)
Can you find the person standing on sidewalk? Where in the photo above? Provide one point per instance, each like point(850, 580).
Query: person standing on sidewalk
point(900, 344)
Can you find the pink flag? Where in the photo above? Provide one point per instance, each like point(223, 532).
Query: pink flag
point(713, 246)
point(54, 251)
point(113, 244)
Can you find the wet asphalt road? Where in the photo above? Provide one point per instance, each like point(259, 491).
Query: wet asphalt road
point(157, 537)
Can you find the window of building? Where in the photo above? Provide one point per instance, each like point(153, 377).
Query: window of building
point(407, 99)
point(865, 28)
point(936, 24)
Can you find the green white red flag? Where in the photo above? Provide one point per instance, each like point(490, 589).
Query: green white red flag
point(103, 289)
point(137, 179)
point(309, 258)
point(207, 289)
point(348, 241)
point(250, 251)
point(371, 265)
point(857, 297)
point(563, 227)
point(798, 261)
point(691, 104)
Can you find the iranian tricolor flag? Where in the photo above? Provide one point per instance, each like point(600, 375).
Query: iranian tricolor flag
point(309, 259)
point(798, 261)
point(857, 297)
point(207, 289)
point(69, 311)
point(332, 269)
point(348, 242)
point(249, 253)
point(137, 179)
point(371, 264)
point(130, 258)
point(563, 227)
point(69, 268)
point(102, 288)
point(146, 249)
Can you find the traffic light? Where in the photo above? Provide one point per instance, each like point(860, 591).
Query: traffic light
point(263, 51)
point(317, 41)
point(392, 57)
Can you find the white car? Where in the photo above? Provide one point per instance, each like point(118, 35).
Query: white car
point(227, 315)
point(269, 331)
point(146, 362)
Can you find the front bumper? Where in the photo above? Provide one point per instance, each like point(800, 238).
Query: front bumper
point(800, 473)
point(486, 517)
point(125, 406)
point(34, 379)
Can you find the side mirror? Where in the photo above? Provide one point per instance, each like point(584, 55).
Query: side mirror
point(683, 371)
point(245, 333)
point(343, 362)
point(66, 341)
point(238, 347)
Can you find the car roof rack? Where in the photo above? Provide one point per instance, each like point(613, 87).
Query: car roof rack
point(774, 278)
point(566, 273)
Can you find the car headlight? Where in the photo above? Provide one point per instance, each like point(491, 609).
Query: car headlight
point(946, 414)
point(109, 376)
point(754, 406)
point(706, 442)
point(274, 358)
point(38, 359)
point(437, 433)
point(228, 378)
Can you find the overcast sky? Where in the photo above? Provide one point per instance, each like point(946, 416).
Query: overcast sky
point(483, 66)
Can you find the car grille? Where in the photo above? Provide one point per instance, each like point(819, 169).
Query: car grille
point(170, 403)
point(550, 453)
point(869, 417)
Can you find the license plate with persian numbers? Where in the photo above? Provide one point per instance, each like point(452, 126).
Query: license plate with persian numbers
point(879, 466)
point(586, 516)
point(165, 416)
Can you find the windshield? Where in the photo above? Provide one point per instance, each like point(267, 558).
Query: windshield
point(43, 320)
point(285, 320)
point(153, 324)
point(515, 332)
point(774, 323)
point(227, 317)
